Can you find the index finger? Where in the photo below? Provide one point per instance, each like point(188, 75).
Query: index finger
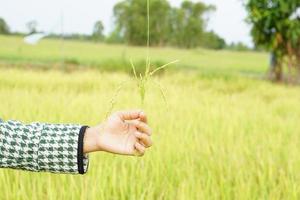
point(132, 115)
point(143, 117)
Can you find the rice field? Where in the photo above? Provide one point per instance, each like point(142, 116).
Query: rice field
point(224, 134)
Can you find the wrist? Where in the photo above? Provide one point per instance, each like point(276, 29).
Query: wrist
point(90, 141)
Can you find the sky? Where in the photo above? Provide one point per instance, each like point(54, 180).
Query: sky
point(79, 16)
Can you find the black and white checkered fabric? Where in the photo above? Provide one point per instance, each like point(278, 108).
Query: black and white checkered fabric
point(40, 147)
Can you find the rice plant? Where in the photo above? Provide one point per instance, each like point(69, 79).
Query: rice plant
point(143, 79)
point(241, 143)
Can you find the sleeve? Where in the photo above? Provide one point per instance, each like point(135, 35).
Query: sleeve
point(56, 148)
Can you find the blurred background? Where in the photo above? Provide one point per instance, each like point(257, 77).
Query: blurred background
point(225, 117)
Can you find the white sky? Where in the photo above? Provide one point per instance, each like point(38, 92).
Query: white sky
point(79, 16)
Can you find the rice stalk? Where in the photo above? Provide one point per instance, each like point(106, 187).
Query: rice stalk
point(142, 79)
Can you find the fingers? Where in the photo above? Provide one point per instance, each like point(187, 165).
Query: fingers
point(144, 139)
point(132, 115)
point(141, 126)
point(140, 149)
point(143, 117)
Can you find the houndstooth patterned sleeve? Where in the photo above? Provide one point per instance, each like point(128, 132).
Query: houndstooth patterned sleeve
point(56, 148)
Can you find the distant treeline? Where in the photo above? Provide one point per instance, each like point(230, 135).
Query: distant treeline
point(182, 27)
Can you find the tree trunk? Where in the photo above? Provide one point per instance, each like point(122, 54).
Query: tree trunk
point(298, 68)
point(275, 70)
point(278, 72)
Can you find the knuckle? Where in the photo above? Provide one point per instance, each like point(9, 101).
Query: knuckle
point(142, 149)
point(140, 123)
point(145, 137)
point(141, 152)
point(147, 140)
point(146, 143)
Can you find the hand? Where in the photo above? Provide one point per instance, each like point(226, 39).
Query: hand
point(124, 132)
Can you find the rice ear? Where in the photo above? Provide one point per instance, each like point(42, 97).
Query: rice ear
point(114, 98)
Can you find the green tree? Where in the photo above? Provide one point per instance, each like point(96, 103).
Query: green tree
point(98, 30)
point(131, 21)
point(212, 41)
point(115, 37)
point(181, 27)
point(4, 29)
point(239, 46)
point(276, 27)
point(188, 24)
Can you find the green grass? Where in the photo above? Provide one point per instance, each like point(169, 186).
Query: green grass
point(223, 136)
point(117, 57)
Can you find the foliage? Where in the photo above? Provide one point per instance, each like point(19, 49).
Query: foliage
point(131, 21)
point(115, 37)
point(4, 29)
point(239, 46)
point(98, 34)
point(276, 27)
point(71, 36)
point(188, 24)
point(211, 40)
point(181, 27)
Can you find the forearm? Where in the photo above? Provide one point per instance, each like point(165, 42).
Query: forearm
point(63, 148)
point(42, 147)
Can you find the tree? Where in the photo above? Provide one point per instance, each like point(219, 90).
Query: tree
point(4, 29)
point(188, 24)
point(181, 27)
point(32, 26)
point(98, 34)
point(239, 46)
point(115, 37)
point(131, 21)
point(276, 27)
point(212, 41)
